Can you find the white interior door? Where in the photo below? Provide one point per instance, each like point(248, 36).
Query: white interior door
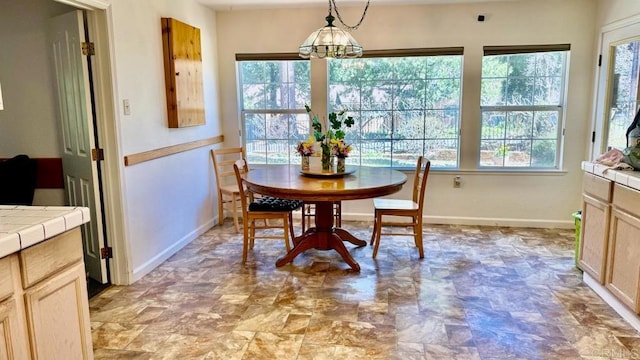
point(74, 99)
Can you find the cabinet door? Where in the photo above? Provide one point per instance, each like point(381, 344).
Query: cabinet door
point(13, 339)
point(13, 325)
point(58, 316)
point(623, 273)
point(594, 236)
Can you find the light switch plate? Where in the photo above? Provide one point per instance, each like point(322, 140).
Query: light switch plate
point(125, 106)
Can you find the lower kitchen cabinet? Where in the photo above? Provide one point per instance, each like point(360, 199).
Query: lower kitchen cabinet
point(44, 307)
point(623, 272)
point(57, 313)
point(55, 295)
point(13, 326)
point(594, 235)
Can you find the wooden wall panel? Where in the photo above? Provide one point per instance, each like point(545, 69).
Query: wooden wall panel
point(183, 73)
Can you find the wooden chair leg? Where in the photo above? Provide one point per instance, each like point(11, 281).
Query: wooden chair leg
point(252, 231)
point(220, 208)
point(418, 238)
point(285, 228)
point(291, 233)
point(377, 229)
point(234, 204)
point(373, 233)
point(304, 221)
point(245, 245)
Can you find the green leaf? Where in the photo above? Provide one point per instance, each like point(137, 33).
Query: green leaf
point(317, 129)
point(340, 134)
point(333, 119)
point(330, 134)
point(307, 108)
point(349, 121)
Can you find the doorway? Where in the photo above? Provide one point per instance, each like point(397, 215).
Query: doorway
point(108, 192)
point(72, 54)
point(618, 95)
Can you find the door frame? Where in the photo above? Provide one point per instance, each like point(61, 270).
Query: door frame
point(609, 34)
point(100, 23)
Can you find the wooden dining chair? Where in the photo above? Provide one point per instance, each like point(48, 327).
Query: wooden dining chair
point(403, 208)
point(263, 208)
point(309, 214)
point(228, 194)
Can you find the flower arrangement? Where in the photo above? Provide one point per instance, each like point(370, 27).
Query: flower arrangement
point(334, 133)
point(305, 148)
point(340, 148)
point(332, 141)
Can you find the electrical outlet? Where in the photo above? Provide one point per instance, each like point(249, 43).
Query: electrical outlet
point(457, 181)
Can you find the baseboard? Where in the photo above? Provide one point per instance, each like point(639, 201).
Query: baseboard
point(453, 220)
point(154, 262)
point(626, 313)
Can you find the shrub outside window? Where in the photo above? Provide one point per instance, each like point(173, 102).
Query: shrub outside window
point(522, 100)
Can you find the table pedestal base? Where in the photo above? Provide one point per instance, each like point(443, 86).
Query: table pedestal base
point(324, 237)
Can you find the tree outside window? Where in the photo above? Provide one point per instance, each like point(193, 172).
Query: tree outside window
point(404, 107)
point(272, 98)
point(521, 104)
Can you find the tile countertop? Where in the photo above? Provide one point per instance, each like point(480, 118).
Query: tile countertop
point(23, 226)
point(625, 177)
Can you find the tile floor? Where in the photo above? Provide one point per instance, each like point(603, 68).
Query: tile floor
point(480, 293)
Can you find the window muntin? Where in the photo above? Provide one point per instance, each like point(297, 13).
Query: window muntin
point(522, 99)
point(272, 97)
point(403, 107)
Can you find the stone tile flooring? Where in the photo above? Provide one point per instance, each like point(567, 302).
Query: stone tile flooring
point(480, 293)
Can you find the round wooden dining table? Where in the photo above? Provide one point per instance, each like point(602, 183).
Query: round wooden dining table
point(323, 189)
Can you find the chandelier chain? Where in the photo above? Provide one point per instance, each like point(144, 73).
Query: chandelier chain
point(332, 4)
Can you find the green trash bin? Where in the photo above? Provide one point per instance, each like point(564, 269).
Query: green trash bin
point(577, 216)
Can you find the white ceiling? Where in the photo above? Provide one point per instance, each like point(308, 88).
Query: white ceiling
point(271, 4)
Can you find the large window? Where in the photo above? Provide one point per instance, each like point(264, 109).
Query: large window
point(272, 98)
point(403, 106)
point(522, 101)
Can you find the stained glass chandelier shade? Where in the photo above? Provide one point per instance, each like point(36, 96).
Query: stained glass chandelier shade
point(331, 41)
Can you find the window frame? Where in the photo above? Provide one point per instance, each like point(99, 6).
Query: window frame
point(406, 53)
point(244, 113)
point(560, 108)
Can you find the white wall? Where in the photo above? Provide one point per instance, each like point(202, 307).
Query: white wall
point(28, 123)
point(485, 198)
point(170, 200)
point(613, 10)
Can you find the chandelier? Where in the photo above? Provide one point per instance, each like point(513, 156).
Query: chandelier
point(331, 41)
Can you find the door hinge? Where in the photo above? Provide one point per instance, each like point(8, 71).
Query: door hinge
point(593, 137)
point(88, 48)
point(600, 60)
point(106, 253)
point(97, 154)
